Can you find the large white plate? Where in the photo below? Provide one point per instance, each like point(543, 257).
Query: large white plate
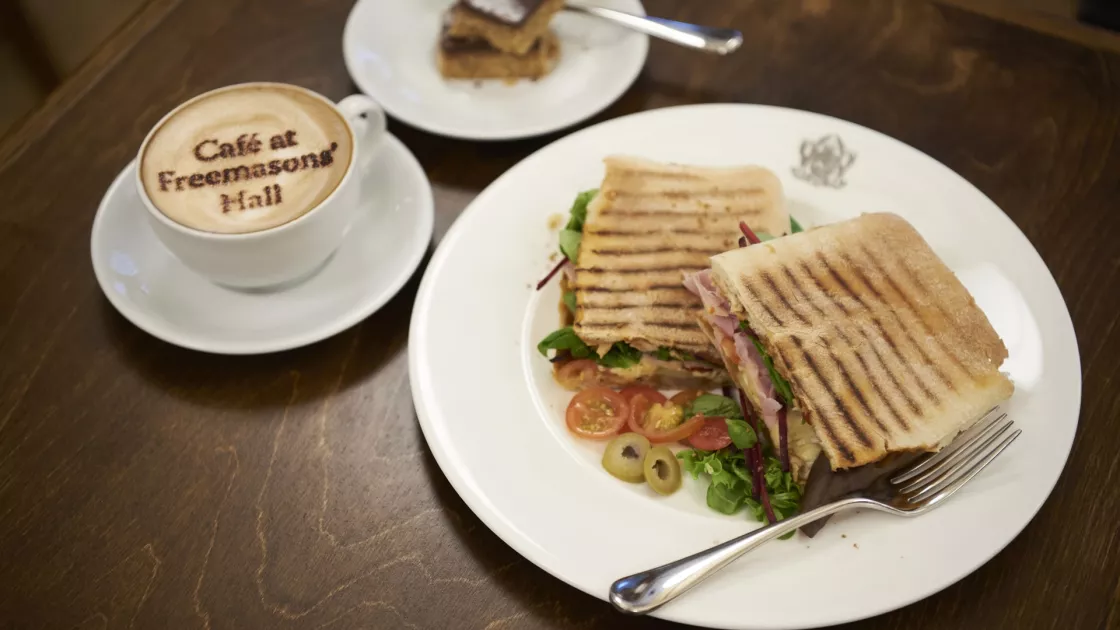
point(494, 419)
point(390, 51)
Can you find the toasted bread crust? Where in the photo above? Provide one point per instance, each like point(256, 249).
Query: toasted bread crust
point(884, 348)
point(649, 225)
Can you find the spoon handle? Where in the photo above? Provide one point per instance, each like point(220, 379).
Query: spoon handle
point(647, 591)
point(720, 41)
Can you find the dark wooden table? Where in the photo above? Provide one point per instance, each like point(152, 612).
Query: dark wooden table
point(145, 486)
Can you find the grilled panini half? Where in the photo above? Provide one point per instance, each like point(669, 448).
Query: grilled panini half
point(883, 347)
point(650, 224)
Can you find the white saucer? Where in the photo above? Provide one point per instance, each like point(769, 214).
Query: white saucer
point(153, 290)
point(390, 45)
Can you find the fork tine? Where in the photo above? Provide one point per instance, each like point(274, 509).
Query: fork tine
point(959, 459)
point(935, 497)
point(982, 425)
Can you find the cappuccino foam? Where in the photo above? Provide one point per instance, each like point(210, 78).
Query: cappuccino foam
point(246, 159)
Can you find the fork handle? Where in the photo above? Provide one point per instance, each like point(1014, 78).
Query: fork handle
point(647, 591)
point(720, 41)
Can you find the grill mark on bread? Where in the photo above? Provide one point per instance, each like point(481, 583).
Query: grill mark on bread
point(913, 404)
point(651, 174)
point(916, 313)
point(656, 250)
point(778, 294)
point(679, 325)
point(902, 326)
point(684, 269)
point(880, 390)
point(714, 193)
point(670, 222)
point(644, 324)
point(623, 307)
point(612, 212)
point(629, 289)
point(753, 293)
point(947, 349)
point(888, 337)
point(893, 242)
point(876, 388)
point(660, 232)
point(837, 443)
point(840, 401)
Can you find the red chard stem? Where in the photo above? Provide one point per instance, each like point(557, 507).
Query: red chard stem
point(783, 439)
point(555, 270)
point(749, 233)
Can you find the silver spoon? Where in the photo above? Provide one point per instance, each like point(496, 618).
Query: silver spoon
point(720, 41)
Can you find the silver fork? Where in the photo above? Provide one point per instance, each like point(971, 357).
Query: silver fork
point(914, 490)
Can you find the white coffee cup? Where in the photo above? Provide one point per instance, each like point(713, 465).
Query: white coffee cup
point(285, 253)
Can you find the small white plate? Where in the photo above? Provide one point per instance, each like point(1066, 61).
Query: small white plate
point(497, 429)
point(151, 288)
point(390, 51)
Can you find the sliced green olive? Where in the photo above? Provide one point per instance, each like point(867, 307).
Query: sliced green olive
point(662, 471)
point(624, 456)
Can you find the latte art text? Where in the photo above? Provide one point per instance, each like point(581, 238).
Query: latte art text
point(245, 145)
point(246, 158)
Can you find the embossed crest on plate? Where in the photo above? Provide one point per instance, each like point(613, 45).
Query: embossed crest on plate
point(824, 162)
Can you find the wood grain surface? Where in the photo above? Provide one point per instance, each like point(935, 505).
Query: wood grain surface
point(145, 486)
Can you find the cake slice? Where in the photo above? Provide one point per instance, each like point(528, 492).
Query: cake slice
point(475, 58)
point(511, 26)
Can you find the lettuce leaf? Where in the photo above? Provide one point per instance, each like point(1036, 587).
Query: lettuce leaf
point(713, 405)
point(781, 385)
point(742, 435)
point(729, 489)
point(668, 354)
point(621, 355)
point(569, 243)
point(579, 210)
point(569, 299)
point(727, 499)
point(572, 235)
point(566, 339)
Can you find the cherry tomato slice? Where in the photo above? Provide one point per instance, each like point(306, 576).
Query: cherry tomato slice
point(577, 374)
point(649, 393)
point(686, 396)
point(597, 413)
point(660, 422)
point(711, 436)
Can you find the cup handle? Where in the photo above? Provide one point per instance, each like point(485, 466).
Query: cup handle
point(368, 120)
